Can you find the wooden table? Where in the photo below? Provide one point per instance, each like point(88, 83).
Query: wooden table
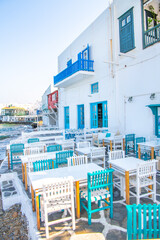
point(152, 145)
point(27, 159)
point(78, 172)
point(128, 167)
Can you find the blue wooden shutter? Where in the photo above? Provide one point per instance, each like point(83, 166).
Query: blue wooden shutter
point(80, 116)
point(94, 115)
point(126, 31)
point(105, 115)
point(66, 117)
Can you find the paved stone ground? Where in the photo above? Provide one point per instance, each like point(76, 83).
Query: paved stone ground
point(112, 229)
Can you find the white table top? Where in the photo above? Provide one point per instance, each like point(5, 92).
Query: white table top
point(85, 151)
point(126, 164)
point(30, 145)
point(155, 144)
point(78, 172)
point(48, 155)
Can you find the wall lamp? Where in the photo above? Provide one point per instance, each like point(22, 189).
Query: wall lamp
point(152, 96)
point(130, 99)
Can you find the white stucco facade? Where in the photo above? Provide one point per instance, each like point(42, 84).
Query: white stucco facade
point(120, 75)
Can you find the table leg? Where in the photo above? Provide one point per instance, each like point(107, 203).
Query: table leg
point(37, 212)
point(152, 152)
point(22, 172)
point(127, 186)
point(33, 203)
point(139, 151)
point(77, 200)
point(8, 159)
point(103, 142)
point(25, 170)
point(123, 144)
point(110, 145)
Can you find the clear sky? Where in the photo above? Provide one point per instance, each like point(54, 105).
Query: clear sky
point(32, 35)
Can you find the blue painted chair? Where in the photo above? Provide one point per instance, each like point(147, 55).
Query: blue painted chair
point(44, 165)
point(143, 221)
point(33, 140)
point(54, 148)
point(100, 188)
point(139, 140)
point(61, 157)
point(130, 143)
point(15, 151)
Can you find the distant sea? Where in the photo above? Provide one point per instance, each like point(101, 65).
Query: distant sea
point(9, 132)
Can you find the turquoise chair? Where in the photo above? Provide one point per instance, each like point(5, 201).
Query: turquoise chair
point(61, 157)
point(54, 148)
point(139, 140)
point(42, 165)
point(33, 140)
point(143, 221)
point(100, 188)
point(15, 151)
point(130, 143)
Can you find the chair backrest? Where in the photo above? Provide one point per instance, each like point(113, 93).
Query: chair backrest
point(118, 142)
point(139, 140)
point(57, 189)
point(44, 165)
point(32, 140)
point(61, 157)
point(146, 169)
point(83, 144)
point(54, 148)
point(33, 150)
point(129, 137)
point(143, 221)
point(97, 152)
point(113, 155)
point(77, 160)
point(99, 179)
point(17, 148)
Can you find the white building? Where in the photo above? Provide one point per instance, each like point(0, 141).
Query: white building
point(109, 74)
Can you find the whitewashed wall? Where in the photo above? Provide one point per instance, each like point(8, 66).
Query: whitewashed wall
point(133, 75)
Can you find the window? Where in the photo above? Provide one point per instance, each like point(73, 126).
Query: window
point(94, 88)
point(126, 31)
point(54, 96)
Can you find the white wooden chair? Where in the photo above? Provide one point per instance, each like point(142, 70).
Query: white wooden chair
point(68, 145)
point(77, 160)
point(33, 150)
point(118, 143)
point(83, 144)
point(57, 195)
point(98, 155)
point(119, 179)
point(145, 181)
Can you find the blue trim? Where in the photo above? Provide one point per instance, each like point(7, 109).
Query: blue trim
point(126, 31)
point(94, 114)
point(94, 88)
point(66, 117)
point(154, 109)
point(83, 63)
point(80, 113)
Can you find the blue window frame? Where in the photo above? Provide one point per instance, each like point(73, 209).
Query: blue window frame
point(126, 31)
point(94, 88)
point(66, 117)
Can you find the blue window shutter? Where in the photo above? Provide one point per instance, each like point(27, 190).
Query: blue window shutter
point(126, 31)
point(94, 88)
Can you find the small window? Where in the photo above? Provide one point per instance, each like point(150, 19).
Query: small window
point(94, 88)
point(126, 32)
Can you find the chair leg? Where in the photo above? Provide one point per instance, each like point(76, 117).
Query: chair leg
point(73, 213)
point(46, 224)
point(89, 213)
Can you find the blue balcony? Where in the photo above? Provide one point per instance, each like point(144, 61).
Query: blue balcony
point(77, 71)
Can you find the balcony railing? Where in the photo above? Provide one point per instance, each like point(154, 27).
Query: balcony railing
point(79, 65)
point(152, 36)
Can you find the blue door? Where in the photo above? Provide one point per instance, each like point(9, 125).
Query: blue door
point(99, 115)
point(66, 117)
point(105, 114)
point(80, 109)
point(94, 115)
